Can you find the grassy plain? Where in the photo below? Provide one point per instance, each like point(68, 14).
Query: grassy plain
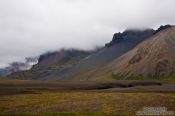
point(44, 98)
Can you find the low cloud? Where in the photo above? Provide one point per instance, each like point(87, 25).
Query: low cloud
point(31, 27)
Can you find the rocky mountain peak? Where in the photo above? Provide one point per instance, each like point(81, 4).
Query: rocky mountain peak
point(154, 56)
point(163, 27)
point(59, 57)
point(130, 34)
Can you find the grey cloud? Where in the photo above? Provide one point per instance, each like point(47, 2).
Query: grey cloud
point(31, 27)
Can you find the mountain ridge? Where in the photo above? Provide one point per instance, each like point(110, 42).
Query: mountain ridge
point(52, 63)
point(100, 65)
point(153, 56)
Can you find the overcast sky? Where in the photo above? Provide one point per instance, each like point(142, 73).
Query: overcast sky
point(31, 27)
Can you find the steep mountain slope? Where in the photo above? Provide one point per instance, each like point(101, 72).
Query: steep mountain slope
point(120, 44)
point(75, 65)
point(154, 56)
point(52, 64)
point(60, 57)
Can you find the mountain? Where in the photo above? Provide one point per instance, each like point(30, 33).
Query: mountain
point(3, 72)
point(60, 57)
point(132, 52)
point(53, 64)
point(154, 56)
point(120, 44)
point(135, 36)
point(59, 66)
point(18, 66)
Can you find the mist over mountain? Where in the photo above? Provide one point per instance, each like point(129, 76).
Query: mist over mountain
point(59, 57)
point(154, 56)
point(75, 64)
point(32, 27)
point(87, 57)
point(130, 34)
point(120, 44)
point(19, 66)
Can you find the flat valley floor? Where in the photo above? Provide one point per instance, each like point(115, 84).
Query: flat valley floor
point(55, 98)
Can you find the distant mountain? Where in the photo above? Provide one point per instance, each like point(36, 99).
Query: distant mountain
point(58, 65)
point(18, 66)
point(53, 64)
point(154, 56)
point(60, 57)
point(132, 52)
point(3, 72)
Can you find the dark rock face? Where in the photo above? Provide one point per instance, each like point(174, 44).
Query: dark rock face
point(53, 64)
point(162, 67)
point(83, 65)
point(59, 57)
point(162, 28)
point(116, 39)
point(154, 57)
point(135, 59)
point(134, 34)
point(46, 55)
point(130, 34)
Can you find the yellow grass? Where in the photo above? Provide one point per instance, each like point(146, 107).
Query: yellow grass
point(103, 102)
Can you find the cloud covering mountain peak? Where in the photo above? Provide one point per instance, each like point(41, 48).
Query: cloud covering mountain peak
point(32, 27)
